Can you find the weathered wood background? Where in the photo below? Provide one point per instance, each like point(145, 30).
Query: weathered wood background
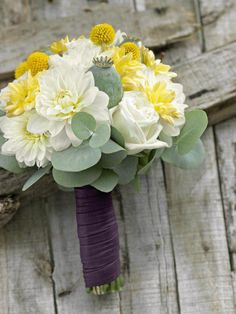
point(178, 234)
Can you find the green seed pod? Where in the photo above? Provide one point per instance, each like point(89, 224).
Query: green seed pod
point(107, 80)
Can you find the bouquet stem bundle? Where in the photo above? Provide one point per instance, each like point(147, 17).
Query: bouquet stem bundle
point(99, 240)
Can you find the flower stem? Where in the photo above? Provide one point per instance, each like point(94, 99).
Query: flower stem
point(115, 286)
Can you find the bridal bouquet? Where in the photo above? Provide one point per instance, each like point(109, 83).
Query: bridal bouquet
point(95, 112)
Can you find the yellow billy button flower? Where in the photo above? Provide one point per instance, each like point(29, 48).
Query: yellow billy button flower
point(21, 69)
point(20, 95)
point(102, 34)
point(162, 99)
point(37, 62)
point(59, 47)
point(132, 48)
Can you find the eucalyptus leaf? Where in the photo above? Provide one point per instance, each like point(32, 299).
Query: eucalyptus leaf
point(64, 189)
point(191, 160)
point(106, 182)
point(156, 153)
point(111, 147)
point(10, 163)
point(83, 125)
point(117, 136)
point(76, 159)
point(100, 136)
point(2, 140)
point(36, 177)
point(195, 125)
point(77, 179)
point(127, 169)
point(112, 160)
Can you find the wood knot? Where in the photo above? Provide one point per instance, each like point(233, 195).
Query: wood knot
point(8, 207)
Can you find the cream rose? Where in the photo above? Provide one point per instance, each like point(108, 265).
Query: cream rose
point(137, 121)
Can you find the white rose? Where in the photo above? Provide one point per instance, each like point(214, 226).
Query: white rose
point(138, 122)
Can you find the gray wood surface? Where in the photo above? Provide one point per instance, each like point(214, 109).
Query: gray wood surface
point(177, 235)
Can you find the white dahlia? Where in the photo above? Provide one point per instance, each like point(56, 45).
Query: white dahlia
point(28, 148)
point(64, 91)
point(79, 52)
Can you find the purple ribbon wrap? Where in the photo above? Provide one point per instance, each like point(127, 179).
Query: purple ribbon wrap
point(98, 235)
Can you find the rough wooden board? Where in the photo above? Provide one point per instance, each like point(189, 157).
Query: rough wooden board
point(210, 82)
point(219, 22)
point(199, 237)
point(18, 41)
point(226, 153)
point(148, 254)
point(25, 264)
point(13, 12)
point(70, 293)
point(191, 46)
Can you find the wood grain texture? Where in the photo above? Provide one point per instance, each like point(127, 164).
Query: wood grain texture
point(25, 264)
point(219, 22)
point(226, 153)
point(203, 79)
point(199, 237)
point(157, 31)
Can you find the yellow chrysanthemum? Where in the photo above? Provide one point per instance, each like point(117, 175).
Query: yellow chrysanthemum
point(132, 48)
point(21, 69)
point(20, 96)
point(162, 99)
point(148, 58)
point(59, 47)
point(127, 67)
point(102, 34)
point(37, 62)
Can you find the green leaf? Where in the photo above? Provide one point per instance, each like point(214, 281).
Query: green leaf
point(100, 136)
point(2, 113)
point(191, 160)
point(112, 160)
point(36, 177)
point(76, 159)
point(195, 125)
point(64, 189)
point(156, 153)
point(77, 179)
point(2, 140)
point(117, 136)
point(10, 163)
point(111, 147)
point(106, 182)
point(83, 125)
point(127, 169)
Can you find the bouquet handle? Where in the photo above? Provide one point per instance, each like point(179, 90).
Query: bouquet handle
point(99, 240)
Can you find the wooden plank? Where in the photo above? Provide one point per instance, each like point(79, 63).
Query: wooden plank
point(13, 12)
point(147, 249)
point(226, 152)
point(199, 237)
point(219, 22)
point(157, 32)
point(202, 80)
point(191, 46)
point(25, 263)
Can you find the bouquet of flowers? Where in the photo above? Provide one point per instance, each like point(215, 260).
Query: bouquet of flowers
point(95, 112)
